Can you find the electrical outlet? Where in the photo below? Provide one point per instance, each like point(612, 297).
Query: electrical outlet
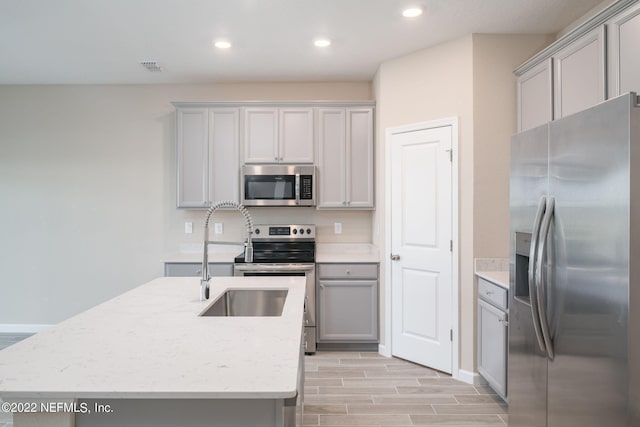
point(188, 227)
point(218, 227)
point(337, 227)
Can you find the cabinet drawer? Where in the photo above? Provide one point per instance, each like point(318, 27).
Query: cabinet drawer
point(348, 271)
point(492, 293)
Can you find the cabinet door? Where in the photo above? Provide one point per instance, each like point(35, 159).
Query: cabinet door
point(579, 74)
point(492, 346)
point(261, 135)
point(348, 310)
point(624, 61)
point(535, 105)
point(331, 158)
point(359, 158)
point(192, 153)
point(224, 168)
point(296, 135)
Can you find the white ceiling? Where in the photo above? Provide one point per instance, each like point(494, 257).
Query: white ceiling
point(104, 41)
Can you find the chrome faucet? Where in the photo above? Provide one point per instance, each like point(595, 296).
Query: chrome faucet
point(248, 246)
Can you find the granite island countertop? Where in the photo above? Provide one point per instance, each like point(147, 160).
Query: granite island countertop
point(150, 343)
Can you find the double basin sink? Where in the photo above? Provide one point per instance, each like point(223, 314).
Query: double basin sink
point(248, 302)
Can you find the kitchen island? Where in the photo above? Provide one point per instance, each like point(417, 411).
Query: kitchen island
point(146, 357)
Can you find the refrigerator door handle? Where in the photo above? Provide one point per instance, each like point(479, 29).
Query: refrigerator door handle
point(533, 252)
point(541, 283)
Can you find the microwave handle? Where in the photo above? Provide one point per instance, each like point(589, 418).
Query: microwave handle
point(297, 189)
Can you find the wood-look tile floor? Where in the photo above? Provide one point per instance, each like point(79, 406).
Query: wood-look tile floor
point(366, 389)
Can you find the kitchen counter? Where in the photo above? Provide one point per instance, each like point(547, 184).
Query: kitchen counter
point(217, 253)
point(346, 253)
point(150, 343)
point(495, 270)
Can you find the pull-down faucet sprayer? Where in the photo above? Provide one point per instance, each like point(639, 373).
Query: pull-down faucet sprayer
point(248, 246)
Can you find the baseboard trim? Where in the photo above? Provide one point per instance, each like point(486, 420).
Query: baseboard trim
point(17, 328)
point(470, 377)
point(384, 350)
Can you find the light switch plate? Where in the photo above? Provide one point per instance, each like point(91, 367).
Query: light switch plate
point(188, 227)
point(337, 227)
point(218, 227)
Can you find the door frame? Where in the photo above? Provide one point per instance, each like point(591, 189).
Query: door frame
point(455, 286)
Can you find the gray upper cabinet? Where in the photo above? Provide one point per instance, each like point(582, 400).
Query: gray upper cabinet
point(207, 156)
point(535, 105)
point(595, 61)
point(579, 74)
point(278, 135)
point(623, 35)
point(192, 146)
point(345, 158)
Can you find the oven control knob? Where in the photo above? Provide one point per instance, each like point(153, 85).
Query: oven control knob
point(257, 231)
point(308, 231)
point(302, 231)
point(295, 231)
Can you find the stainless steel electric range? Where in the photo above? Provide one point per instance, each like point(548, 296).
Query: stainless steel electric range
point(286, 250)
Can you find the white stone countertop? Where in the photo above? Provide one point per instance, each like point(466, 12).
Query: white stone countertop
point(495, 270)
point(346, 252)
point(151, 343)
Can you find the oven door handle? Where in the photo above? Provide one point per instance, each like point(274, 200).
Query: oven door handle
point(268, 268)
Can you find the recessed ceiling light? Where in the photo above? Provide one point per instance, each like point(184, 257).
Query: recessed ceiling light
point(322, 42)
point(412, 12)
point(222, 44)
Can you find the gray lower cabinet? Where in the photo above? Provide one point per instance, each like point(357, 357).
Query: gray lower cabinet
point(493, 335)
point(347, 303)
point(194, 269)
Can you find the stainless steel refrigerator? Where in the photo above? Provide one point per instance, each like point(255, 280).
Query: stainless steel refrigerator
point(574, 312)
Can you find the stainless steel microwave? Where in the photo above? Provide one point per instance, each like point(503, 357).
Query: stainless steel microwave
point(278, 185)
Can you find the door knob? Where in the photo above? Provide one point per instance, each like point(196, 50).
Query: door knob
point(395, 257)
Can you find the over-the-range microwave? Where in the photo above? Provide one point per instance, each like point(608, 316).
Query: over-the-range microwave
point(278, 185)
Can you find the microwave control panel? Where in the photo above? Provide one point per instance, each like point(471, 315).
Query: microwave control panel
point(306, 185)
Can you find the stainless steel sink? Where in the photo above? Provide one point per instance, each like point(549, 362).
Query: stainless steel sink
point(248, 302)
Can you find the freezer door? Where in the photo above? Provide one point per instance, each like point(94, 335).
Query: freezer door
point(527, 363)
point(587, 269)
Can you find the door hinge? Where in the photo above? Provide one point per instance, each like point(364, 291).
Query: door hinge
point(450, 245)
point(451, 334)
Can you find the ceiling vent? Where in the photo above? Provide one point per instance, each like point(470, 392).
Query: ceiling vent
point(151, 65)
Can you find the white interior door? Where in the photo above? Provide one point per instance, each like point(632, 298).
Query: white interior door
point(421, 240)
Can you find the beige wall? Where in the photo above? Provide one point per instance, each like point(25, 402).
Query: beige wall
point(87, 183)
point(494, 121)
point(431, 84)
point(471, 79)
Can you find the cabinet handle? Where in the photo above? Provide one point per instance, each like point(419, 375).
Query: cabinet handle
point(395, 257)
point(504, 322)
point(275, 158)
point(199, 272)
point(488, 293)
